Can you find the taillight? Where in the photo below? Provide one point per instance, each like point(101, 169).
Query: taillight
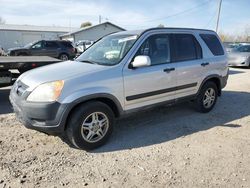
point(73, 50)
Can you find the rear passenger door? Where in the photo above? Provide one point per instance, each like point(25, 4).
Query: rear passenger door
point(50, 49)
point(187, 56)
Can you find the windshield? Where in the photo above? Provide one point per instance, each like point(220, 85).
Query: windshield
point(109, 50)
point(242, 48)
point(29, 45)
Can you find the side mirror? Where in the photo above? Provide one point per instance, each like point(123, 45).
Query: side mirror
point(141, 61)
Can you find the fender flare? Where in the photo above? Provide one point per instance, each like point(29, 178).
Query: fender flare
point(86, 98)
point(208, 78)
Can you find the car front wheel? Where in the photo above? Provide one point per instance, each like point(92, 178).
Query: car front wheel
point(90, 125)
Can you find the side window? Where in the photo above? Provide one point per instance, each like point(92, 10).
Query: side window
point(157, 48)
point(186, 47)
point(37, 45)
point(50, 44)
point(213, 44)
point(69, 45)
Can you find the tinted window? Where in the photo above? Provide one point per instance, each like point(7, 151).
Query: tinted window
point(67, 44)
point(213, 44)
point(186, 47)
point(51, 44)
point(157, 48)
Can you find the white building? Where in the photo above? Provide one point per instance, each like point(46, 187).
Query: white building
point(92, 33)
point(20, 35)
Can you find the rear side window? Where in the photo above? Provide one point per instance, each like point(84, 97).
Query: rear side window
point(67, 44)
point(186, 48)
point(51, 44)
point(213, 44)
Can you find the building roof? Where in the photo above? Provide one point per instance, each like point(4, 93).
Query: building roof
point(87, 28)
point(10, 27)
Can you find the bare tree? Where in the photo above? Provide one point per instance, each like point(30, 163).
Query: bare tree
point(86, 24)
point(244, 36)
point(2, 21)
point(161, 25)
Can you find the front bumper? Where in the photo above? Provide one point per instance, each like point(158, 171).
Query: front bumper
point(238, 64)
point(235, 61)
point(49, 118)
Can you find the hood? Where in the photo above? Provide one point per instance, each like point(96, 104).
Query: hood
point(17, 48)
point(238, 54)
point(58, 71)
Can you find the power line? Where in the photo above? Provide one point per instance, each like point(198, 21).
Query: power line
point(181, 12)
point(212, 17)
point(173, 15)
point(210, 20)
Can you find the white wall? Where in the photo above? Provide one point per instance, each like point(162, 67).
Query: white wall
point(10, 39)
point(95, 33)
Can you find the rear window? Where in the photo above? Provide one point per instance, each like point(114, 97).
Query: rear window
point(213, 44)
point(67, 44)
point(186, 47)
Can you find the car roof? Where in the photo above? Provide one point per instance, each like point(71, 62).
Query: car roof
point(56, 41)
point(140, 32)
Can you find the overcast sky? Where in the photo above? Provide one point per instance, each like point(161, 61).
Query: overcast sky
point(130, 14)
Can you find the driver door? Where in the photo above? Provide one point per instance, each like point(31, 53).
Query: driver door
point(152, 84)
point(37, 49)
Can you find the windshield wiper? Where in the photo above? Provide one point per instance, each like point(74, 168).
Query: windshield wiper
point(87, 61)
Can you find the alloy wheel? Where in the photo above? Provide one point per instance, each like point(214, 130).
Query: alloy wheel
point(209, 98)
point(94, 127)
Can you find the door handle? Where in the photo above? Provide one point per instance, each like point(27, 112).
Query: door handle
point(205, 64)
point(167, 70)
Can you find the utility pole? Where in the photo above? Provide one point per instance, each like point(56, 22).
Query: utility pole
point(100, 19)
point(218, 16)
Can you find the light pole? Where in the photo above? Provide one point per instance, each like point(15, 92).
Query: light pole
point(218, 16)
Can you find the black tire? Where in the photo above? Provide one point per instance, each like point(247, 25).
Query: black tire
point(199, 102)
point(64, 57)
point(79, 116)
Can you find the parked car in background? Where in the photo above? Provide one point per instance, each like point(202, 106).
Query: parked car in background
point(82, 45)
point(230, 46)
point(54, 48)
point(240, 56)
point(122, 73)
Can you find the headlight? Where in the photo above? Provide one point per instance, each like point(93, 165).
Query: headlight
point(47, 92)
point(245, 57)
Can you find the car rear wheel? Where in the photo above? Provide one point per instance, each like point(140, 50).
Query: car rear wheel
point(90, 125)
point(207, 97)
point(64, 57)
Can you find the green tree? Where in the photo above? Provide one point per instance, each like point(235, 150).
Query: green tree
point(86, 24)
point(160, 25)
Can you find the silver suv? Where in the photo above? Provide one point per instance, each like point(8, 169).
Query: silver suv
point(119, 74)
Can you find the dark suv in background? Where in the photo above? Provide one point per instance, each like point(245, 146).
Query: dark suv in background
point(53, 48)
